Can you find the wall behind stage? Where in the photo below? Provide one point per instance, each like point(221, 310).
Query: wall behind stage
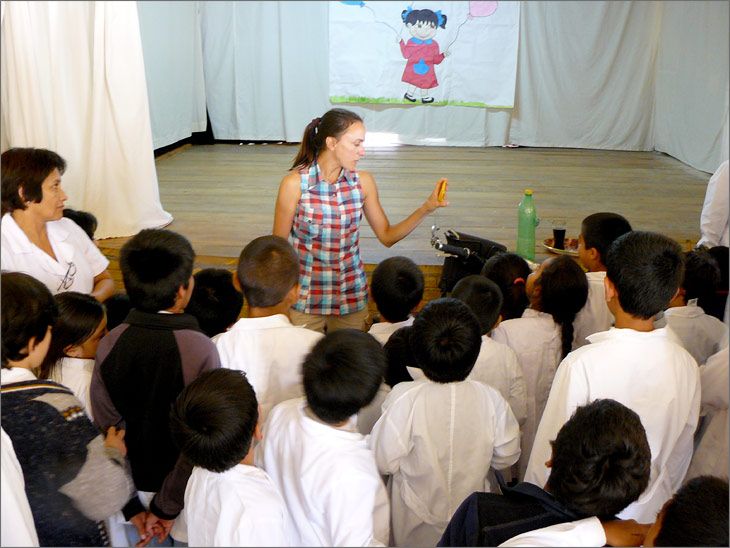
point(604, 75)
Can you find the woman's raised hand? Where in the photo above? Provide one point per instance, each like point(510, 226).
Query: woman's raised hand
point(438, 196)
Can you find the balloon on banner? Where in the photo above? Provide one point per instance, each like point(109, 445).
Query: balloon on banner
point(355, 2)
point(478, 8)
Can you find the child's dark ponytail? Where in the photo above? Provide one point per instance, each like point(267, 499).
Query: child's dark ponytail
point(564, 292)
point(333, 124)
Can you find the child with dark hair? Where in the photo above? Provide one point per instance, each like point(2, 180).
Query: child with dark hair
point(214, 423)
point(266, 345)
point(141, 367)
point(438, 438)
point(401, 361)
point(215, 302)
point(497, 364)
point(719, 306)
point(597, 233)
point(80, 326)
point(397, 289)
point(509, 271)
point(87, 221)
point(697, 515)
point(558, 289)
point(73, 477)
point(644, 368)
point(600, 463)
point(700, 333)
point(316, 457)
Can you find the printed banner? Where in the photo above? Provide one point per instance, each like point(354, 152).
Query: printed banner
point(437, 53)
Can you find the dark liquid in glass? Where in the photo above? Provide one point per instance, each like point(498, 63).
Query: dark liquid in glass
point(559, 238)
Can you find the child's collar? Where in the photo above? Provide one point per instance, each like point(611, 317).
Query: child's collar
point(418, 41)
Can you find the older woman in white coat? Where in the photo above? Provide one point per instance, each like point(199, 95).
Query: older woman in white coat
point(36, 238)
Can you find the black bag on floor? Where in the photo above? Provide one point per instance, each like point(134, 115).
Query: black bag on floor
point(455, 268)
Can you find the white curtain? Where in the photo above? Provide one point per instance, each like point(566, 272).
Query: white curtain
point(72, 80)
point(692, 83)
point(173, 60)
point(587, 78)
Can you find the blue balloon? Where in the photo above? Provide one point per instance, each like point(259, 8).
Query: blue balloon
point(352, 2)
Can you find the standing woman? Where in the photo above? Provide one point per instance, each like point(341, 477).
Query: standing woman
point(319, 207)
point(36, 238)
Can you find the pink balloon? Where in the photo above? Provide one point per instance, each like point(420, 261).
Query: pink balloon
point(478, 8)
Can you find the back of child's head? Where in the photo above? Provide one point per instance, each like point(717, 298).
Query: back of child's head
point(397, 288)
point(87, 221)
point(697, 515)
point(215, 302)
point(79, 317)
point(563, 292)
point(599, 231)
point(399, 355)
point(509, 271)
point(342, 374)
point(601, 460)
point(721, 254)
point(482, 296)
point(446, 340)
point(701, 277)
point(155, 263)
point(27, 310)
point(117, 308)
point(267, 270)
point(214, 418)
point(646, 268)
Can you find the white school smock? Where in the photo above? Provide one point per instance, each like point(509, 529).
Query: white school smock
point(595, 316)
point(383, 330)
point(438, 442)
point(369, 415)
point(714, 227)
point(70, 245)
point(327, 477)
point(75, 374)
point(17, 527)
point(535, 338)
point(238, 507)
point(271, 351)
point(497, 365)
point(700, 333)
point(711, 456)
point(584, 532)
point(648, 372)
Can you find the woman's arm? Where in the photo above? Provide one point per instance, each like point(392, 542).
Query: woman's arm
point(286, 205)
point(103, 286)
point(391, 234)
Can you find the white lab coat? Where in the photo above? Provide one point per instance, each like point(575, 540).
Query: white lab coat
point(17, 527)
point(650, 373)
point(438, 442)
point(711, 455)
point(535, 338)
point(714, 228)
point(238, 507)
point(595, 316)
point(75, 374)
point(700, 333)
point(327, 477)
point(271, 351)
point(584, 532)
point(383, 330)
point(70, 245)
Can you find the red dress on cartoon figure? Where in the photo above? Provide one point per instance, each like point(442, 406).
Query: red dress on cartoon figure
point(422, 55)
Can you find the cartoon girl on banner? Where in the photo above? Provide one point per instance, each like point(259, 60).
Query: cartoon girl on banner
point(422, 52)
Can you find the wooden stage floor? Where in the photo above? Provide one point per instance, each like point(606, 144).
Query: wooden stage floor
point(222, 196)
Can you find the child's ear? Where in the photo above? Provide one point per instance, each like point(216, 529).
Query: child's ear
point(293, 295)
point(236, 283)
point(72, 351)
point(609, 290)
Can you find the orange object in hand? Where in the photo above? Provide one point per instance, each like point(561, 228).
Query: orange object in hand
point(443, 183)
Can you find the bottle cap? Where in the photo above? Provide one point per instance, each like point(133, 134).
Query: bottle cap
point(528, 192)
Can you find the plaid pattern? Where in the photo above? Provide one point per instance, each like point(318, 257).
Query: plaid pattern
point(326, 236)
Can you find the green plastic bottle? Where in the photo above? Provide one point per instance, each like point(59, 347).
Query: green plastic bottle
point(527, 221)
